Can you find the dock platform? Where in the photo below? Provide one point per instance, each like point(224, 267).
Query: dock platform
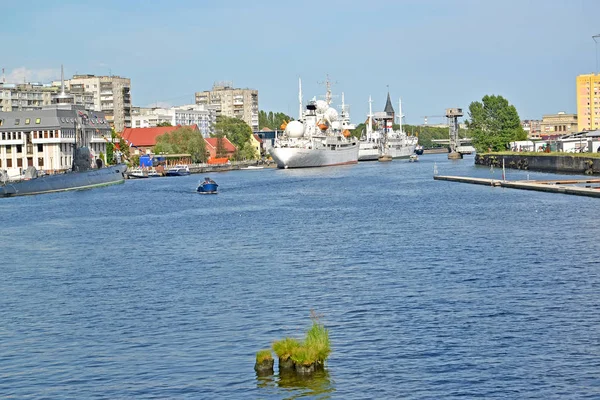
point(565, 186)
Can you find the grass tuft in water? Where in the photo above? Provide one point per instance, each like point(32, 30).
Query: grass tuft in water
point(263, 355)
point(285, 347)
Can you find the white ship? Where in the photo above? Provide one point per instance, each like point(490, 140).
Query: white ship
point(319, 138)
point(385, 141)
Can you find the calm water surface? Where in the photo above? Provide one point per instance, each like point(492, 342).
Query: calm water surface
point(430, 289)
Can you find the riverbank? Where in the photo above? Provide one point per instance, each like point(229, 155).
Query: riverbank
point(582, 163)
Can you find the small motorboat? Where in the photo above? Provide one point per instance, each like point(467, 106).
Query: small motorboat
point(419, 150)
point(207, 187)
point(178, 170)
point(413, 158)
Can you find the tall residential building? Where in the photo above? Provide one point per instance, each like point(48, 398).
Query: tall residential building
point(204, 116)
point(111, 95)
point(232, 102)
point(588, 102)
point(33, 96)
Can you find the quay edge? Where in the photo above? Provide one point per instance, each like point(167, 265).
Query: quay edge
point(542, 163)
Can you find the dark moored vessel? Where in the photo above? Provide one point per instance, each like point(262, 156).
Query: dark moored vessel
point(68, 126)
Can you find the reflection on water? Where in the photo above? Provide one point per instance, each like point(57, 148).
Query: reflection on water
point(317, 385)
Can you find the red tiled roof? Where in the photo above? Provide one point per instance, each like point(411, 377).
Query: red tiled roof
point(147, 136)
point(265, 129)
point(258, 139)
point(229, 147)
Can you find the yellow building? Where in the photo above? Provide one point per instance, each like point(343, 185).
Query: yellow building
point(588, 102)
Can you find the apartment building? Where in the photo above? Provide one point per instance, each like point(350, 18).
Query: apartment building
point(232, 102)
point(203, 116)
point(111, 95)
point(532, 127)
point(588, 102)
point(33, 96)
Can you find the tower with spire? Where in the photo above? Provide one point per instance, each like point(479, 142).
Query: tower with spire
point(389, 109)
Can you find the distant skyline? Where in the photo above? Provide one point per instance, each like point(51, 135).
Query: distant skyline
point(434, 54)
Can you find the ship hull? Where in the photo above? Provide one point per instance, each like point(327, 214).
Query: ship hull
point(62, 182)
point(291, 157)
point(368, 153)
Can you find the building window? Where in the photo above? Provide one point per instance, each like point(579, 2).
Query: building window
point(40, 148)
point(17, 121)
point(19, 162)
point(38, 120)
point(27, 120)
point(8, 149)
point(19, 148)
point(9, 163)
point(1, 121)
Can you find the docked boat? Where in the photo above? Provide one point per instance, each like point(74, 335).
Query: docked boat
point(253, 167)
point(385, 141)
point(419, 150)
point(413, 158)
point(141, 173)
point(178, 170)
point(80, 178)
point(317, 139)
point(79, 129)
point(207, 187)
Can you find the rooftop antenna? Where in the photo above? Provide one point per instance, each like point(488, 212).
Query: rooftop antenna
point(62, 80)
point(596, 37)
point(300, 98)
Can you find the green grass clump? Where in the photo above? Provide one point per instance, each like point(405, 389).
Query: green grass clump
point(317, 338)
point(285, 347)
point(263, 355)
point(304, 355)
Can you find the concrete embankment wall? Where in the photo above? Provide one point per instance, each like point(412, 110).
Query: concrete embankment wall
point(547, 163)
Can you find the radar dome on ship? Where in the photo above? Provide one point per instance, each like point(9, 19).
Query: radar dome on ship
point(336, 125)
point(321, 106)
point(294, 129)
point(331, 114)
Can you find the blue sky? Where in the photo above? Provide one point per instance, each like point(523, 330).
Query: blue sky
point(433, 53)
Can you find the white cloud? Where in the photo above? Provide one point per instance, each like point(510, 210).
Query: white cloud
point(23, 74)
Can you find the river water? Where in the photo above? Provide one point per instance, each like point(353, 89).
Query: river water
point(429, 289)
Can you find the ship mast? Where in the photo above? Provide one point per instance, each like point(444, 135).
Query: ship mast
point(370, 125)
point(300, 99)
point(400, 114)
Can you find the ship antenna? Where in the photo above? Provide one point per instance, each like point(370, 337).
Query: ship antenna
point(300, 98)
point(400, 113)
point(370, 116)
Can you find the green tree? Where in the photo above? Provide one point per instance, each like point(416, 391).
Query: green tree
point(493, 124)
point(236, 130)
point(272, 120)
point(166, 123)
point(184, 140)
point(110, 149)
point(249, 152)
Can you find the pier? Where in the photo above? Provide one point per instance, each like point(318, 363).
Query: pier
point(564, 186)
